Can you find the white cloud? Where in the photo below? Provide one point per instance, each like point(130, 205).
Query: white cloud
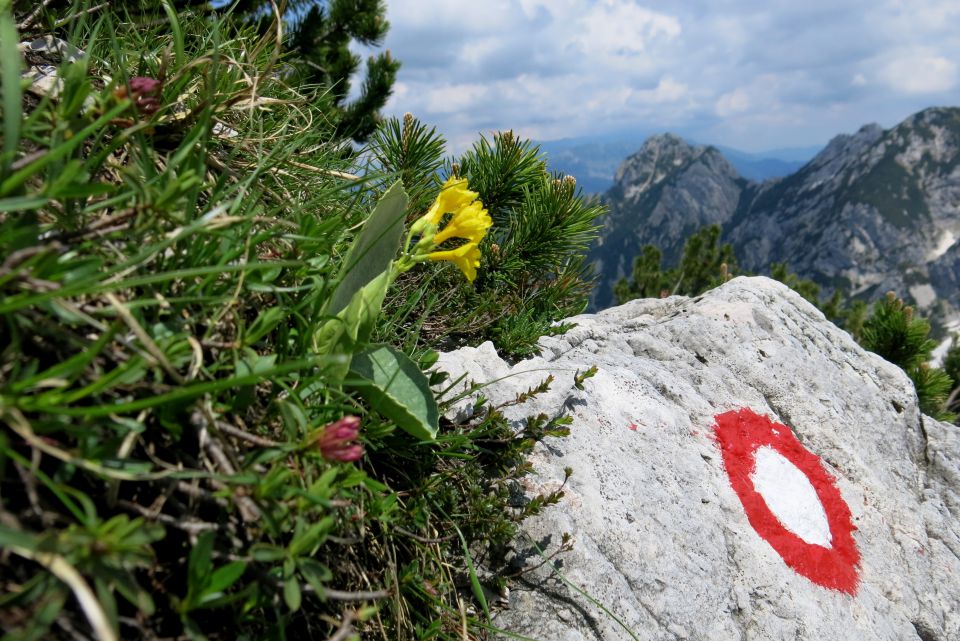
point(734, 102)
point(617, 29)
point(749, 72)
point(667, 90)
point(918, 73)
point(454, 98)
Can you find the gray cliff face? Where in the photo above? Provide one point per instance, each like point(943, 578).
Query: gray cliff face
point(874, 211)
point(662, 539)
point(661, 195)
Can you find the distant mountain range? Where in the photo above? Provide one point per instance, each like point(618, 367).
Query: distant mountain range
point(594, 162)
point(874, 211)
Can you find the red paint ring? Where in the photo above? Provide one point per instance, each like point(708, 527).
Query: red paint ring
point(740, 434)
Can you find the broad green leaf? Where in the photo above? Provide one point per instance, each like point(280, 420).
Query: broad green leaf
point(352, 326)
point(396, 387)
point(249, 362)
point(124, 583)
point(354, 323)
point(373, 249)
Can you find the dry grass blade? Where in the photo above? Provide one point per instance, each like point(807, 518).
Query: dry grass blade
point(60, 568)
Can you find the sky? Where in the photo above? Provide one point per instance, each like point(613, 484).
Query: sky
point(750, 74)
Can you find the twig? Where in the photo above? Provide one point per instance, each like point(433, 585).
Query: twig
point(193, 527)
point(30, 485)
point(346, 626)
point(199, 493)
point(246, 436)
point(29, 20)
point(17, 257)
point(952, 398)
point(99, 227)
point(73, 16)
point(249, 511)
point(26, 159)
point(67, 626)
point(328, 172)
point(422, 539)
point(360, 595)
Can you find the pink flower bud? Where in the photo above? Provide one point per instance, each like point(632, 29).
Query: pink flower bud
point(144, 86)
point(338, 440)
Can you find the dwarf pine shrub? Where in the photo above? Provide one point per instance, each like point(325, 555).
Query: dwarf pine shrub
point(217, 414)
point(534, 272)
point(895, 333)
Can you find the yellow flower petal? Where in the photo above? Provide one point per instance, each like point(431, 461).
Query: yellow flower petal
point(470, 222)
point(466, 257)
point(453, 195)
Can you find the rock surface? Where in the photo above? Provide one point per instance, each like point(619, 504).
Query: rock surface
point(661, 540)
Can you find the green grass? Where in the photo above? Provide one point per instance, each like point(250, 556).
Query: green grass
point(163, 282)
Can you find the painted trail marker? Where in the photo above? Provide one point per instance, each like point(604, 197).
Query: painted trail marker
point(790, 499)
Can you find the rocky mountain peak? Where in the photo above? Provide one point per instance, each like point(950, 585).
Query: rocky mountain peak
point(663, 156)
point(846, 148)
point(874, 211)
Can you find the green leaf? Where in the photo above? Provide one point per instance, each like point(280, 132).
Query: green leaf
point(175, 27)
point(312, 537)
point(19, 177)
point(266, 321)
point(198, 567)
point(291, 586)
point(248, 362)
point(15, 538)
point(352, 326)
point(9, 86)
point(316, 574)
point(266, 553)
point(354, 323)
point(472, 571)
point(373, 249)
point(396, 387)
point(20, 203)
point(224, 577)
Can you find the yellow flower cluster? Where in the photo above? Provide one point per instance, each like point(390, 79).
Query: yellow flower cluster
point(470, 221)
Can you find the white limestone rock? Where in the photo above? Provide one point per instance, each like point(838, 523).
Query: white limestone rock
point(662, 540)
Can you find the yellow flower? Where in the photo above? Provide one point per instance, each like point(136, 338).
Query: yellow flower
point(470, 223)
point(453, 195)
point(466, 257)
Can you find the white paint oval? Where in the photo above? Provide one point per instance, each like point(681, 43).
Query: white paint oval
point(790, 496)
